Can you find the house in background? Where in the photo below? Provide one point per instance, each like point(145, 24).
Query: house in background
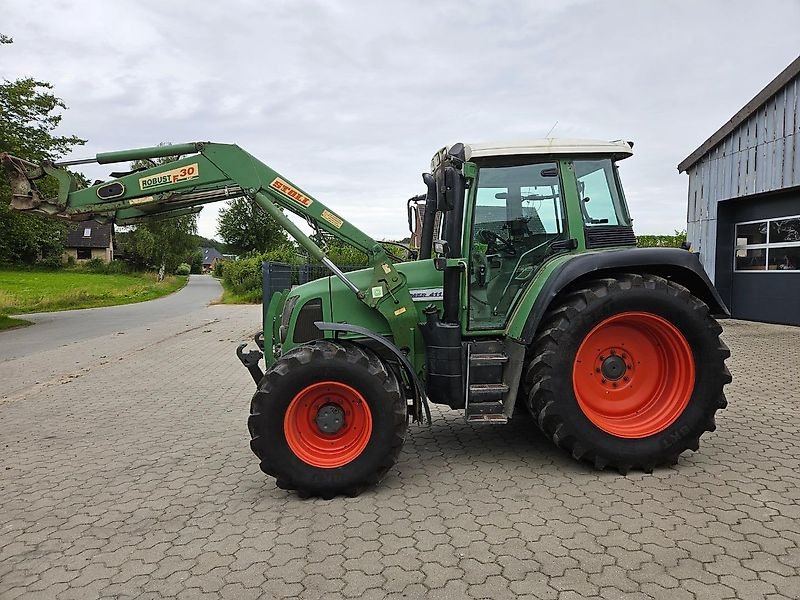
point(210, 258)
point(744, 204)
point(90, 239)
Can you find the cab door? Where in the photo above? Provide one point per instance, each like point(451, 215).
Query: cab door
point(518, 214)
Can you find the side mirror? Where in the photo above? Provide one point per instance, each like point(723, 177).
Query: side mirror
point(449, 186)
point(412, 207)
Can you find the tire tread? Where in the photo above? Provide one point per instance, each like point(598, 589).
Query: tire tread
point(324, 350)
point(541, 369)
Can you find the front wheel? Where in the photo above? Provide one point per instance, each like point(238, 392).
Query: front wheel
point(628, 372)
point(328, 418)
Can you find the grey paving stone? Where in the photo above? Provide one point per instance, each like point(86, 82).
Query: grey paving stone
point(135, 480)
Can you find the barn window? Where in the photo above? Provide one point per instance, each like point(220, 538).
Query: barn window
point(768, 245)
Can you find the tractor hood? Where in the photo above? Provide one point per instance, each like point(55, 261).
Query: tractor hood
point(328, 299)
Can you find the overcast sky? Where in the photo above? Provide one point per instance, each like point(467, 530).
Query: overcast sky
point(351, 99)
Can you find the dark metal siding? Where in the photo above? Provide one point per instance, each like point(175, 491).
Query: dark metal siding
point(768, 297)
point(276, 277)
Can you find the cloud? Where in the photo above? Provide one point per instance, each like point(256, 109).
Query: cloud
point(350, 100)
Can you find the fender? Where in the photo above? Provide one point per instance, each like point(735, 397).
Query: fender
point(420, 399)
point(675, 264)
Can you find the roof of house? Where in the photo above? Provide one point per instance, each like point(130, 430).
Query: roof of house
point(210, 255)
point(772, 88)
point(619, 149)
point(90, 234)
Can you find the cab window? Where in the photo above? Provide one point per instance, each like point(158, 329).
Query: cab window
point(600, 199)
point(518, 214)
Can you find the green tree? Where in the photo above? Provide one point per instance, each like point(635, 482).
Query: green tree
point(196, 261)
point(137, 246)
point(204, 242)
point(169, 242)
point(29, 112)
point(246, 227)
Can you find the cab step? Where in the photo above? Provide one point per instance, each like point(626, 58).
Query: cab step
point(484, 392)
point(488, 359)
point(486, 389)
point(486, 412)
point(493, 419)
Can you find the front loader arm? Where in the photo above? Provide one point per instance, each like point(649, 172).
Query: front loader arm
point(213, 172)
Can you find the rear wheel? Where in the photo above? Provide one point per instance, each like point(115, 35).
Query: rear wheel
point(328, 418)
point(627, 372)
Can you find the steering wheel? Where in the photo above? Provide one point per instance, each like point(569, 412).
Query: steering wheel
point(490, 238)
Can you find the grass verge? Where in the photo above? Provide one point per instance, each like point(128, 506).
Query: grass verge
point(9, 323)
point(44, 291)
point(231, 297)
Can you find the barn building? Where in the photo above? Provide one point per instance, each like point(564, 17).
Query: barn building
point(743, 214)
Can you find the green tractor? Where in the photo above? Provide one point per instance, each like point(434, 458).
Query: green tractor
point(525, 292)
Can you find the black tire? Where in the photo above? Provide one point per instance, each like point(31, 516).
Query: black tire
point(550, 395)
point(321, 361)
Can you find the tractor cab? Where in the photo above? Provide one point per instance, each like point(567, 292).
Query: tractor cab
point(521, 205)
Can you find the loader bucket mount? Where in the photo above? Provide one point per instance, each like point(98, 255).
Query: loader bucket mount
point(21, 176)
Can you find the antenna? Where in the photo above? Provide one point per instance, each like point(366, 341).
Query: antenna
point(547, 135)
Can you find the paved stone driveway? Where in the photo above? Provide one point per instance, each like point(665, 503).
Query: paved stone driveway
point(134, 479)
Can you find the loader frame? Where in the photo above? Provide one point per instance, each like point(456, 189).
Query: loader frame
point(208, 172)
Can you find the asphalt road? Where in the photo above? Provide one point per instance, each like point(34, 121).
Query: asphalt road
point(58, 329)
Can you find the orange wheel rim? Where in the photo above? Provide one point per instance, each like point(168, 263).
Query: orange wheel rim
point(633, 374)
point(328, 424)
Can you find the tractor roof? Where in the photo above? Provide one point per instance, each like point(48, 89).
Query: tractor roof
point(548, 146)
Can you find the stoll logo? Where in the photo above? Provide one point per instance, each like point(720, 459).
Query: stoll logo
point(186, 173)
point(292, 192)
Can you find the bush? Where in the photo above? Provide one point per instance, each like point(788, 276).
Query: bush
point(243, 276)
point(661, 241)
point(117, 267)
point(95, 265)
point(51, 261)
point(183, 269)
